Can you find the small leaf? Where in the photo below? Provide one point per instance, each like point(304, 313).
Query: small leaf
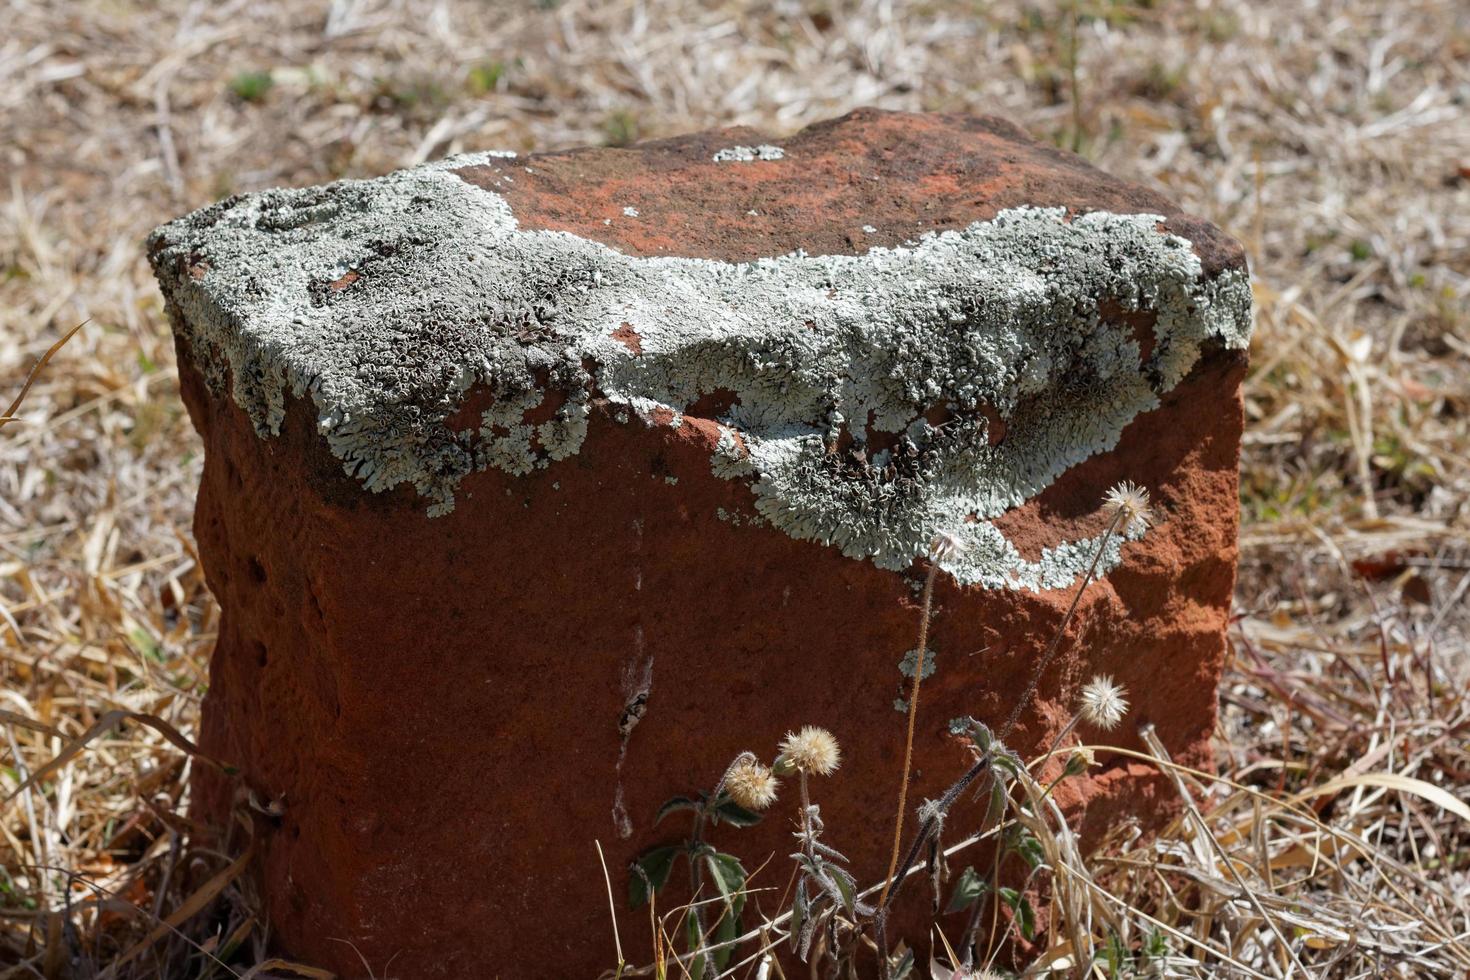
point(845, 887)
point(734, 814)
point(905, 965)
point(674, 806)
point(724, 938)
point(1028, 919)
point(649, 872)
point(798, 914)
point(729, 877)
point(1031, 851)
point(967, 890)
point(694, 942)
point(815, 914)
point(1025, 915)
point(826, 851)
point(997, 801)
point(1115, 954)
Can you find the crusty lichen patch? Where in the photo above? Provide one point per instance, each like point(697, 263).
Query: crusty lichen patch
point(863, 386)
point(747, 154)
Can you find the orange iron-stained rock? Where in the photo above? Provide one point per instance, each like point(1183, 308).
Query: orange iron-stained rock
point(538, 488)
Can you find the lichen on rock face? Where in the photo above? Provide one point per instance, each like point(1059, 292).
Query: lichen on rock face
point(747, 154)
point(867, 390)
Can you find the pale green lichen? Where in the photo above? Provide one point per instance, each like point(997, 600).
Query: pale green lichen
point(387, 300)
point(749, 154)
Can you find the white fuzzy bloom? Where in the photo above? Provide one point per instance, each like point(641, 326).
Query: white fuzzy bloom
point(1129, 502)
point(945, 546)
point(812, 750)
point(750, 784)
point(1103, 703)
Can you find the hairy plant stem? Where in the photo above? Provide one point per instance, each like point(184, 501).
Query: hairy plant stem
point(1056, 743)
point(928, 829)
point(908, 746)
point(929, 826)
point(1070, 727)
point(1056, 641)
point(696, 874)
point(806, 816)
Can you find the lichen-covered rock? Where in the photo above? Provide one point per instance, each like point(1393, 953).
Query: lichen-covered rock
point(537, 488)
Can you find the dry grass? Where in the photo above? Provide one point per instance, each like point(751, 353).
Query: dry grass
point(1331, 136)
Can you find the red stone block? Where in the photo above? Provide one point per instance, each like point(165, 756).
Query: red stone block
point(536, 489)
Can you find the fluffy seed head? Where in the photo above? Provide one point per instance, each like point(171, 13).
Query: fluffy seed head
point(1129, 502)
point(812, 750)
point(945, 546)
point(1103, 703)
point(750, 784)
point(940, 972)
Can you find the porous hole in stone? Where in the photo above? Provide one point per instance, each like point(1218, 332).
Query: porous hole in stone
point(257, 571)
point(262, 655)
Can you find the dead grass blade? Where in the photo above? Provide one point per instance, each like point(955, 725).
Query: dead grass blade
point(35, 372)
point(103, 725)
point(192, 906)
point(1437, 795)
point(260, 969)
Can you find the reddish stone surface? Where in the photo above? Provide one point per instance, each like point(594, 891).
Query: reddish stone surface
point(436, 701)
point(899, 174)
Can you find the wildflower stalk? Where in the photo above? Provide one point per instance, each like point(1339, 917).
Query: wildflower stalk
point(908, 746)
point(1055, 646)
point(933, 816)
point(1129, 505)
point(1056, 743)
point(806, 809)
point(1101, 704)
point(696, 872)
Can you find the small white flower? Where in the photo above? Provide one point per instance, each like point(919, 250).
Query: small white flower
point(812, 750)
point(1103, 703)
point(1129, 502)
point(946, 546)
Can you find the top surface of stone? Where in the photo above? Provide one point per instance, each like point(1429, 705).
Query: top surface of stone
point(911, 323)
point(837, 188)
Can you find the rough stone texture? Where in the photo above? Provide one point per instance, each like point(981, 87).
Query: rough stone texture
point(499, 446)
